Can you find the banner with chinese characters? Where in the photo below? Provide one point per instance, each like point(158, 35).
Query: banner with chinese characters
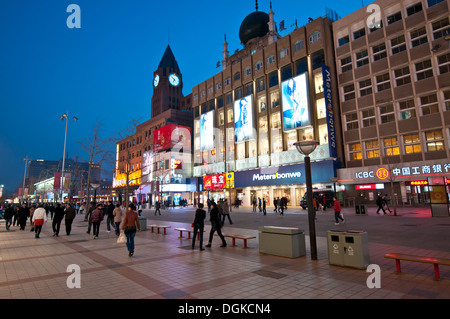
point(216, 181)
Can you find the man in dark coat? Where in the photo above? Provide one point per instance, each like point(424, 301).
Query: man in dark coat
point(24, 213)
point(215, 225)
point(69, 217)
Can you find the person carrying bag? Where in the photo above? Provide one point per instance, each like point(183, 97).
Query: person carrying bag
point(129, 228)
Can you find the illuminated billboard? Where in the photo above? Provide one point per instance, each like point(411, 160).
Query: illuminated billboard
point(172, 136)
point(295, 102)
point(207, 131)
point(243, 119)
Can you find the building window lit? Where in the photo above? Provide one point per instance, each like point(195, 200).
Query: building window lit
point(434, 140)
point(372, 149)
point(391, 147)
point(354, 150)
point(412, 143)
point(407, 109)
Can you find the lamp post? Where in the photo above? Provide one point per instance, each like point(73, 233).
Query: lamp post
point(26, 159)
point(306, 148)
point(66, 117)
point(95, 186)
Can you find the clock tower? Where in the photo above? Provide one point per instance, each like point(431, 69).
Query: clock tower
point(167, 85)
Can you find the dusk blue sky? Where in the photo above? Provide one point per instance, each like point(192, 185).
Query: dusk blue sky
point(104, 70)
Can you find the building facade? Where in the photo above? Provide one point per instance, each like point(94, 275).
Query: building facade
point(270, 94)
point(394, 84)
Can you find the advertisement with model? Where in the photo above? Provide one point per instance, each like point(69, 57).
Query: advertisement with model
point(295, 102)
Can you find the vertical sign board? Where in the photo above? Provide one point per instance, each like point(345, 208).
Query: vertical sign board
point(329, 110)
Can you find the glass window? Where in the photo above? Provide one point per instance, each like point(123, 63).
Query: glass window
point(237, 76)
point(275, 99)
point(276, 120)
point(365, 87)
point(391, 147)
point(252, 148)
point(286, 72)
point(387, 113)
point(412, 143)
point(318, 82)
point(344, 40)
point(446, 100)
point(258, 65)
point(230, 115)
point(379, 51)
point(314, 37)
point(398, 44)
point(414, 9)
point(372, 149)
point(395, 17)
point(240, 149)
point(273, 79)
point(428, 104)
point(301, 66)
point(362, 58)
point(444, 63)
point(291, 138)
point(221, 118)
point(368, 117)
point(351, 120)
point(270, 59)
point(407, 109)
point(318, 59)
point(434, 140)
point(424, 70)
point(247, 71)
point(433, 2)
point(262, 106)
point(402, 76)
point(321, 108)
point(383, 82)
point(299, 44)
point(349, 92)
point(354, 150)
point(284, 52)
point(346, 64)
point(440, 28)
point(418, 37)
point(260, 84)
point(358, 34)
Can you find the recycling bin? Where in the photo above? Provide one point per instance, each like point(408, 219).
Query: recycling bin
point(348, 248)
point(361, 210)
point(282, 241)
point(142, 222)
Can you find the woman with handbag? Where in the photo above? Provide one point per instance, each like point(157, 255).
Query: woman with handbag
point(39, 218)
point(129, 223)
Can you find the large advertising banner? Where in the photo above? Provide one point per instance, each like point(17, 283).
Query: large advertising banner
point(207, 131)
point(244, 127)
point(295, 102)
point(172, 135)
point(57, 181)
point(216, 181)
point(147, 167)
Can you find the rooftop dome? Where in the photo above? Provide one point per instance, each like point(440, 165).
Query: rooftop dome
point(254, 25)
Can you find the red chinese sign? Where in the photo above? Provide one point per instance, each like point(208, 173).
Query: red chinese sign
point(217, 181)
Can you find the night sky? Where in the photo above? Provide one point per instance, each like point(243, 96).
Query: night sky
point(103, 70)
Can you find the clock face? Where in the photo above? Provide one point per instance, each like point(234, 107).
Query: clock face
point(156, 80)
point(174, 80)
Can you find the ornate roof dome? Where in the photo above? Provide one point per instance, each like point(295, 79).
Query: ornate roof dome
point(254, 25)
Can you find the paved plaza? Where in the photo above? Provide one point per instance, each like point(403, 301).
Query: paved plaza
point(165, 266)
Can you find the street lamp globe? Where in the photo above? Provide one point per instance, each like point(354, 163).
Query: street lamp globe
point(306, 147)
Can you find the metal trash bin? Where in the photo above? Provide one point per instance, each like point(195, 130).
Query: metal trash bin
point(363, 210)
point(348, 248)
point(282, 241)
point(142, 222)
point(357, 210)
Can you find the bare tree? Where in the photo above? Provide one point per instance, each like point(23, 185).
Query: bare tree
point(98, 151)
point(126, 133)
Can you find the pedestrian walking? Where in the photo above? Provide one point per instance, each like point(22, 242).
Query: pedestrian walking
point(275, 203)
point(96, 219)
point(157, 207)
point(82, 208)
point(254, 204)
point(281, 206)
point(140, 209)
point(8, 215)
point(69, 216)
point(24, 213)
point(57, 219)
point(109, 216)
point(315, 207)
point(32, 209)
point(39, 218)
point(379, 203)
point(117, 213)
point(130, 221)
point(337, 212)
point(226, 212)
point(199, 225)
point(264, 206)
point(259, 204)
point(386, 200)
point(87, 217)
point(16, 216)
point(215, 226)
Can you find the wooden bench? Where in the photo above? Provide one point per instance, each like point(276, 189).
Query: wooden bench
point(237, 236)
point(158, 227)
point(436, 261)
point(189, 231)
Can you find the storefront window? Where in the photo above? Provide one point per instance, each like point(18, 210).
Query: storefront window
point(275, 99)
point(262, 103)
point(263, 136)
point(321, 109)
point(240, 148)
point(323, 134)
point(291, 138)
point(318, 82)
point(306, 134)
point(252, 148)
point(230, 115)
point(277, 141)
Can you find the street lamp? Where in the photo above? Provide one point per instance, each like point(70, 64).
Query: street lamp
point(95, 186)
point(306, 148)
point(66, 117)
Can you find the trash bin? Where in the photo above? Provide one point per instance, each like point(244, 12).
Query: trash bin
point(348, 248)
point(363, 209)
point(282, 241)
point(142, 222)
point(357, 210)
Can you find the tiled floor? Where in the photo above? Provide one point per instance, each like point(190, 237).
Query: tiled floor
point(165, 267)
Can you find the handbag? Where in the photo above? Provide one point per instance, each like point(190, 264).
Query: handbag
point(122, 239)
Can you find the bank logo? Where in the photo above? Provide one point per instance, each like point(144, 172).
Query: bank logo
point(264, 177)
